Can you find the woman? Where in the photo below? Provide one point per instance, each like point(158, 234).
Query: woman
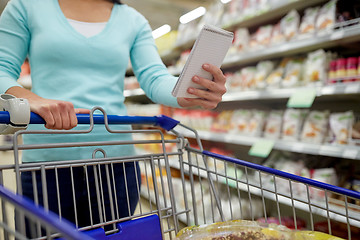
point(79, 51)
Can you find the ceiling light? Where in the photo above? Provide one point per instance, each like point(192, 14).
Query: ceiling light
point(164, 29)
point(188, 17)
point(225, 1)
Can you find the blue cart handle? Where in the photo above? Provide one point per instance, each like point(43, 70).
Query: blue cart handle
point(163, 121)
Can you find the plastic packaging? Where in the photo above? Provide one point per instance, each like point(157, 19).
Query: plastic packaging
point(290, 25)
point(241, 229)
point(273, 124)
point(340, 126)
point(327, 17)
point(316, 67)
point(293, 73)
point(315, 127)
point(263, 70)
point(307, 26)
point(292, 124)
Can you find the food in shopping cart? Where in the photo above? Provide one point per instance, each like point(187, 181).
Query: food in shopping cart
point(246, 230)
point(327, 17)
point(290, 24)
point(307, 26)
point(315, 127)
point(340, 126)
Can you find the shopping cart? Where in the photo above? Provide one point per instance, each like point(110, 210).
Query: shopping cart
point(181, 185)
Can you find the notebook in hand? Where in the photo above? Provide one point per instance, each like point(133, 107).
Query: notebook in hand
point(210, 47)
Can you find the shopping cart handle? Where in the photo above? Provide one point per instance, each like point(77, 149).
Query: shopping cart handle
point(163, 121)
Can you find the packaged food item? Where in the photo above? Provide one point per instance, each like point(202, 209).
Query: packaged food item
point(332, 71)
point(293, 73)
point(341, 68)
point(275, 78)
point(212, 16)
point(241, 40)
point(340, 127)
point(351, 67)
point(242, 229)
point(263, 70)
point(273, 124)
point(277, 35)
point(325, 175)
point(261, 38)
point(240, 121)
point(247, 76)
point(256, 123)
point(326, 18)
point(307, 26)
point(292, 123)
point(235, 82)
point(315, 127)
point(290, 25)
point(316, 67)
point(222, 122)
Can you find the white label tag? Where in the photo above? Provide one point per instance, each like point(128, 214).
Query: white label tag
point(337, 35)
point(350, 153)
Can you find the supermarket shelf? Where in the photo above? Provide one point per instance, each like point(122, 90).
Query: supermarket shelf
point(338, 37)
point(340, 151)
point(335, 89)
point(279, 9)
point(134, 92)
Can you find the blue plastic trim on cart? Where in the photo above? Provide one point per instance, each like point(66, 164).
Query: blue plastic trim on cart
point(163, 121)
point(311, 182)
point(142, 228)
point(65, 228)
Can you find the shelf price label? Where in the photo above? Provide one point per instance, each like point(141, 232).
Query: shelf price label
point(262, 148)
point(302, 98)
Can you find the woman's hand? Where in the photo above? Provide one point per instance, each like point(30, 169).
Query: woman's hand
point(57, 114)
point(210, 98)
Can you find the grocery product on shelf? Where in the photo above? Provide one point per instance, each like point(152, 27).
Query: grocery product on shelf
point(316, 67)
point(292, 124)
point(340, 127)
point(315, 127)
point(293, 73)
point(273, 124)
point(256, 123)
point(240, 121)
point(290, 25)
point(307, 26)
point(327, 17)
point(263, 69)
point(261, 38)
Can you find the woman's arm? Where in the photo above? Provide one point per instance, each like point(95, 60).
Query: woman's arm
point(15, 38)
point(158, 83)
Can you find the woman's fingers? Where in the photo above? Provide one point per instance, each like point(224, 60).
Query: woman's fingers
point(215, 89)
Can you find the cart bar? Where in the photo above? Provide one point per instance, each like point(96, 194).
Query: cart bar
point(286, 175)
point(163, 121)
point(66, 229)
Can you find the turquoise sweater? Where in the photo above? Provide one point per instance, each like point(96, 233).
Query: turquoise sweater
point(88, 72)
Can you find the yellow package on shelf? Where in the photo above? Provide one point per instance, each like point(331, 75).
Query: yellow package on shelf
point(166, 42)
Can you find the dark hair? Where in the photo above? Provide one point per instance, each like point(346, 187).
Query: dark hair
point(116, 1)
